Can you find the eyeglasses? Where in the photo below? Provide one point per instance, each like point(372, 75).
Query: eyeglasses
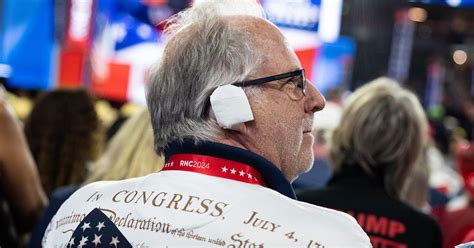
point(297, 79)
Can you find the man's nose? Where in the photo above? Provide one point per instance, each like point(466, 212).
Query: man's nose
point(314, 100)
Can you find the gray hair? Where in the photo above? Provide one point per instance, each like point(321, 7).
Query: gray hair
point(204, 52)
point(383, 130)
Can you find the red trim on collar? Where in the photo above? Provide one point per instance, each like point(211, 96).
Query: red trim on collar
point(213, 166)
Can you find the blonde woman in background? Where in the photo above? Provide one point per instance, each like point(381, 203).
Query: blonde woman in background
point(374, 149)
point(129, 154)
point(417, 187)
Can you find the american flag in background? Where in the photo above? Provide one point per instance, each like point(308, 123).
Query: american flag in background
point(97, 230)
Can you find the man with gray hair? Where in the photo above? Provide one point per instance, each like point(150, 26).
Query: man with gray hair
point(232, 112)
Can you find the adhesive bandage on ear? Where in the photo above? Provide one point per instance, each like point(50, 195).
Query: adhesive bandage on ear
point(231, 107)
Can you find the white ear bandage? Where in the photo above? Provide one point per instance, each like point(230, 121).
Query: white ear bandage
point(231, 107)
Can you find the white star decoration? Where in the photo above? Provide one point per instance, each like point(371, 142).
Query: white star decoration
point(241, 173)
point(85, 226)
point(71, 242)
point(83, 242)
point(114, 241)
point(100, 225)
point(96, 240)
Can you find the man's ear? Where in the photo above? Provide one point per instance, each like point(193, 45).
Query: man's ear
point(231, 107)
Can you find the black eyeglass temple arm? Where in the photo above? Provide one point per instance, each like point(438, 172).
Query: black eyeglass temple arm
point(270, 78)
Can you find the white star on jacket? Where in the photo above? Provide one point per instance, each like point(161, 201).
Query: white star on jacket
point(96, 240)
point(85, 226)
point(83, 242)
point(100, 225)
point(114, 241)
point(71, 242)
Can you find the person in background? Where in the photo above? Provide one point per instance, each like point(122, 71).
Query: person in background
point(129, 154)
point(124, 112)
point(466, 117)
point(381, 136)
point(64, 134)
point(458, 223)
point(22, 198)
point(232, 113)
point(108, 115)
point(417, 188)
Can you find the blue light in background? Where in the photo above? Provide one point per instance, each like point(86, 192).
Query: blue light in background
point(333, 65)
point(27, 42)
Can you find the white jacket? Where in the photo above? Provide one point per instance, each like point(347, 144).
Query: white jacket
point(187, 209)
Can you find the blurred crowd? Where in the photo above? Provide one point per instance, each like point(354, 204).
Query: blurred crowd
point(66, 138)
point(53, 144)
point(406, 175)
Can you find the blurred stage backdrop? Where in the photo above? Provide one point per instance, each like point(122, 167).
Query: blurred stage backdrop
point(108, 46)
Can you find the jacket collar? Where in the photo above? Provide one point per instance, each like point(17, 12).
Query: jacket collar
point(273, 177)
